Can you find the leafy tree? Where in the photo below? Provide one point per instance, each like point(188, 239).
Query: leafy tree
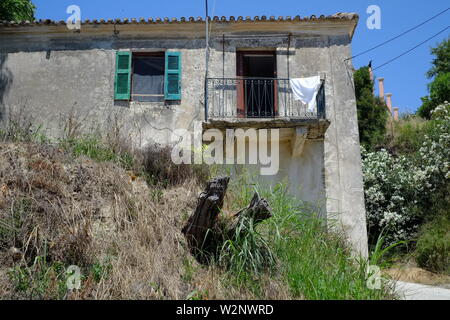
point(439, 93)
point(441, 64)
point(372, 111)
point(16, 10)
point(439, 88)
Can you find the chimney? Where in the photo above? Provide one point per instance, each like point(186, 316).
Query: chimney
point(371, 76)
point(381, 87)
point(389, 101)
point(396, 114)
point(371, 71)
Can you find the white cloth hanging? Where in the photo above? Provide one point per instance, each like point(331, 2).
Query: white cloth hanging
point(305, 90)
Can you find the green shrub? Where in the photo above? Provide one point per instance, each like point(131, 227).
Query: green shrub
point(433, 245)
point(409, 135)
point(403, 191)
point(439, 93)
point(17, 10)
point(439, 88)
point(372, 111)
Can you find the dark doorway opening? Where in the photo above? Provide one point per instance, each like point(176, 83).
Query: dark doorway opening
point(257, 86)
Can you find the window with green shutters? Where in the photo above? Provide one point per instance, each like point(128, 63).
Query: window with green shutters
point(172, 83)
point(123, 75)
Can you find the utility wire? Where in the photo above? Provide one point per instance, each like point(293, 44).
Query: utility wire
point(415, 47)
point(400, 35)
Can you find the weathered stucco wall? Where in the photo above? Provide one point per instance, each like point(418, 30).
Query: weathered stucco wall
point(55, 77)
point(62, 80)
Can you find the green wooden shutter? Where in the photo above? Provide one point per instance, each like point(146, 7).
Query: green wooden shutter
point(122, 82)
point(172, 79)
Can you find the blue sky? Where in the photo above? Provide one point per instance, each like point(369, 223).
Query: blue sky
point(405, 78)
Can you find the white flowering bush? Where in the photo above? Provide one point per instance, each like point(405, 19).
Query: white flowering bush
point(401, 190)
point(391, 186)
point(435, 151)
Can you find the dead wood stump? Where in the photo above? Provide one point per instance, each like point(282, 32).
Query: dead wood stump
point(204, 232)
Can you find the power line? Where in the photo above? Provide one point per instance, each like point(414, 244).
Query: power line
point(400, 35)
point(415, 47)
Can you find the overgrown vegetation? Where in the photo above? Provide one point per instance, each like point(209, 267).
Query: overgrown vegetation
point(372, 111)
point(117, 215)
point(310, 257)
point(406, 171)
point(159, 169)
point(439, 88)
point(93, 147)
point(407, 187)
point(433, 245)
point(17, 10)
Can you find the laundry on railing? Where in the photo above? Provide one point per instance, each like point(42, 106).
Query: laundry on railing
point(306, 89)
point(258, 98)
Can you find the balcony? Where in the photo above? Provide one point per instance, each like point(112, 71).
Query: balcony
point(264, 103)
point(263, 99)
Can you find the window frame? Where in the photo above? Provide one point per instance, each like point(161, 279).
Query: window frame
point(146, 54)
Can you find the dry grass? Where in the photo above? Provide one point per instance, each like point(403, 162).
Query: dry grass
point(405, 135)
point(156, 161)
point(417, 275)
point(125, 235)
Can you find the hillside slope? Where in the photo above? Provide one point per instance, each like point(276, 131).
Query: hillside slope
point(57, 211)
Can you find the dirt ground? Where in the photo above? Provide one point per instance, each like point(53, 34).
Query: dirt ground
point(413, 274)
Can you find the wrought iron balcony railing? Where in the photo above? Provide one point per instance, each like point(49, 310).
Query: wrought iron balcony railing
point(229, 98)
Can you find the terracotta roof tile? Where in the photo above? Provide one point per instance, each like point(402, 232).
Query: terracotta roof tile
point(240, 19)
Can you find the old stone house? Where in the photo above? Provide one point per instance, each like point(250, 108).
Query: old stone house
point(149, 75)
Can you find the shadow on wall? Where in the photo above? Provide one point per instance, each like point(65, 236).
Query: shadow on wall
point(5, 84)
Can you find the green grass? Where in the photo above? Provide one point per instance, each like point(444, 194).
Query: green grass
point(93, 147)
point(100, 270)
point(318, 265)
point(314, 262)
point(42, 280)
point(49, 279)
point(246, 256)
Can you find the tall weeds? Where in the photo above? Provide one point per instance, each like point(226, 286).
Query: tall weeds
point(314, 261)
point(75, 201)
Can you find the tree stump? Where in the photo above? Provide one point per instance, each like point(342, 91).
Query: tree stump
point(209, 203)
point(204, 232)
